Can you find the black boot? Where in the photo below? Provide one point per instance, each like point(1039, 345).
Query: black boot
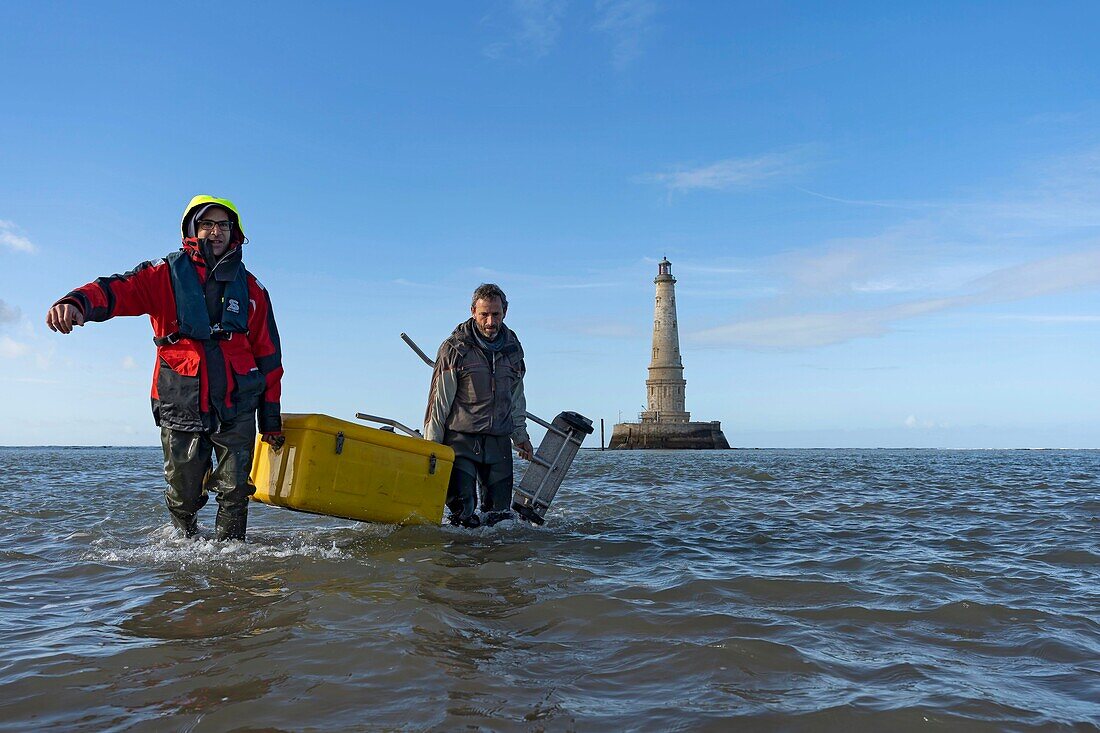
point(493, 517)
point(471, 522)
point(230, 526)
point(187, 524)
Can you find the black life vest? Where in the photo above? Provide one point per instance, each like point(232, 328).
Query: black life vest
point(191, 313)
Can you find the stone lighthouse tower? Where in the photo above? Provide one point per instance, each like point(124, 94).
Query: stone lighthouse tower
point(665, 386)
point(666, 423)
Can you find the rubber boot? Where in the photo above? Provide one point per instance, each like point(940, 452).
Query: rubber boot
point(499, 497)
point(462, 497)
point(471, 522)
point(494, 517)
point(187, 524)
point(230, 526)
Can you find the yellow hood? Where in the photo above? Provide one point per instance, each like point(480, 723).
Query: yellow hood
point(203, 200)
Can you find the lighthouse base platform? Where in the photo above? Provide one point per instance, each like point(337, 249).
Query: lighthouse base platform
point(668, 436)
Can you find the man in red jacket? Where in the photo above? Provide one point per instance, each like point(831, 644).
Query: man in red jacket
point(219, 363)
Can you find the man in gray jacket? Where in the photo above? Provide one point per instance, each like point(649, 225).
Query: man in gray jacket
point(476, 406)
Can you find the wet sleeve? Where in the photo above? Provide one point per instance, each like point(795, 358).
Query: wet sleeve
point(441, 397)
point(263, 336)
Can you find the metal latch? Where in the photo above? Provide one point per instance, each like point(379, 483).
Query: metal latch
point(339, 443)
point(431, 465)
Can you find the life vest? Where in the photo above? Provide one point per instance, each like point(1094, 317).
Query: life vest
point(191, 313)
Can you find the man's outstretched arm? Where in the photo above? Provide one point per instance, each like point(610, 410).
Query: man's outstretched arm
point(130, 294)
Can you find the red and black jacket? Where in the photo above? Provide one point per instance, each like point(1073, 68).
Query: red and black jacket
point(197, 384)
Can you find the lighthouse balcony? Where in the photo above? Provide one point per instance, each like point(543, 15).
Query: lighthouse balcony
point(663, 416)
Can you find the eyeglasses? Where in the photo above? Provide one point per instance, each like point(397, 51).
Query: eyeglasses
point(209, 224)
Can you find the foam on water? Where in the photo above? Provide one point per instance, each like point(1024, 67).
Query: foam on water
point(165, 546)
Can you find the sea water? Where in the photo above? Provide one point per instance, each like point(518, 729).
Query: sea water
point(815, 590)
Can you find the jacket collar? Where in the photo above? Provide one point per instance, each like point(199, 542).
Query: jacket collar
point(464, 334)
point(225, 269)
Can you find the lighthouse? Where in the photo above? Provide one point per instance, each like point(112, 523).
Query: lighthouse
point(666, 383)
point(666, 423)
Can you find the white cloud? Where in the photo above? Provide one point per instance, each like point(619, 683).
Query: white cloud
point(865, 202)
point(9, 313)
point(11, 237)
point(19, 338)
point(1061, 273)
point(627, 23)
point(128, 362)
point(1055, 318)
point(913, 423)
point(534, 26)
point(807, 330)
point(608, 330)
point(544, 282)
point(1031, 242)
point(732, 173)
point(10, 320)
point(1058, 274)
point(12, 349)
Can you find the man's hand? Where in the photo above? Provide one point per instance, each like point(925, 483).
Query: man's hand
point(275, 440)
point(63, 316)
point(525, 450)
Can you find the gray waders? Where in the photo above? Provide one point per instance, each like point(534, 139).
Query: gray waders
point(191, 475)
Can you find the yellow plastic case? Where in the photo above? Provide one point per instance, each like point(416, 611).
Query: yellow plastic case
point(345, 469)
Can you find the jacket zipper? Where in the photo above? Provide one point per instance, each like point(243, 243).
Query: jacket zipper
point(493, 380)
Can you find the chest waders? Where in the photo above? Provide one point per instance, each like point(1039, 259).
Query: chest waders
point(188, 470)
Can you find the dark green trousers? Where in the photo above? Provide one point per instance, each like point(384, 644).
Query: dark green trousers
point(192, 475)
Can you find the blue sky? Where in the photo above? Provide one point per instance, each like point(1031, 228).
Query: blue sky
point(884, 217)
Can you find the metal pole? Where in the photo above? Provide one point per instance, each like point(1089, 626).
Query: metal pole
point(388, 421)
point(601, 433)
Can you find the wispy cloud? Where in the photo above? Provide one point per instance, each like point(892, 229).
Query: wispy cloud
point(733, 173)
point(406, 283)
point(19, 339)
point(10, 317)
point(11, 349)
point(12, 237)
point(609, 330)
point(864, 202)
point(1028, 241)
point(913, 423)
point(533, 29)
point(913, 256)
point(807, 330)
point(545, 282)
point(8, 314)
point(628, 23)
point(1084, 319)
point(1058, 274)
